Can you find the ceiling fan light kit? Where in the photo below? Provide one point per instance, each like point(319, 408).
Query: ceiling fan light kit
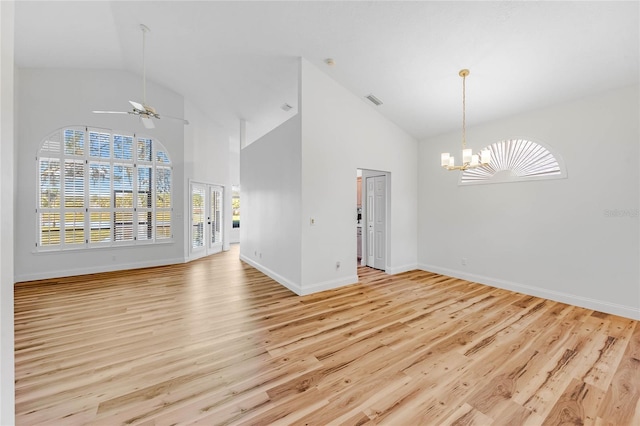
point(145, 112)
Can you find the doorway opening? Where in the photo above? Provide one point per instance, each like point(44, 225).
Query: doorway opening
point(373, 213)
point(234, 233)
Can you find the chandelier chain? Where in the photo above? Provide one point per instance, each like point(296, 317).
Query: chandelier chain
point(469, 159)
point(464, 108)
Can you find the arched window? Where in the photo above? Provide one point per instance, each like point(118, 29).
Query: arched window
point(100, 188)
point(516, 160)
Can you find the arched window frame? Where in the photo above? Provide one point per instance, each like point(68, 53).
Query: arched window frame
point(102, 188)
point(516, 160)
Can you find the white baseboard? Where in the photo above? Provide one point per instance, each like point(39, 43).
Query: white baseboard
point(329, 285)
point(96, 269)
point(400, 269)
point(583, 302)
point(273, 275)
point(297, 288)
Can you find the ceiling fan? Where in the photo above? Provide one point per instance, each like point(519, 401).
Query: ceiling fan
point(145, 112)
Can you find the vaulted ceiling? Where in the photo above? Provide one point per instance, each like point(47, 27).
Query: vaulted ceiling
point(237, 60)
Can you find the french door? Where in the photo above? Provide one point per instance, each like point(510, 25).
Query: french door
point(206, 230)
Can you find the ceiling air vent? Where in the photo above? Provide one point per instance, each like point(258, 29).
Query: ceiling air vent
point(374, 100)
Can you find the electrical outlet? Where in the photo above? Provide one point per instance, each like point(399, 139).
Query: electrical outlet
point(463, 261)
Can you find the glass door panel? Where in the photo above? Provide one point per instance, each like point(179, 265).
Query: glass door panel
point(197, 215)
point(216, 215)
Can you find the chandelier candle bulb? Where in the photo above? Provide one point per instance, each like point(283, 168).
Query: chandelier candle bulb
point(466, 155)
point(485, 156)
point(474, 160)
point(444, 159)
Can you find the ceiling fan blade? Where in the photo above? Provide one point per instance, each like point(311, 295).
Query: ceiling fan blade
point(174, 118)
point(137, 106)
point(147, 122)
point(110, 112)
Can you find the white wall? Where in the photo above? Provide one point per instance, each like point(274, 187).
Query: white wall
point(341, 133)
point(48, 99)
point(554, 238)
point(270, 177)
point(7, 219)
point(306, 169)
point(207, 160)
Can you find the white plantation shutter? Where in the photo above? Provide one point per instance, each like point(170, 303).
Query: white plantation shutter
point(49, 196)
point(52, 143)
point(74, 142)
point(516, 160)
point(99, 184)
point(74, 183)
point(163, 201)
point(123, 226)
point(99, 188)
point(49, 187)
point(101, 231)
point(144, 150)
point(144, 207)
point(123, 147)
point(99, 144)
point(49, 229)
point(73, 228)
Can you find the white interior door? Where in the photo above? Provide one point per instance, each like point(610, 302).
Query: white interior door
point(206, 227)
point(376, 221)
point(370, 184)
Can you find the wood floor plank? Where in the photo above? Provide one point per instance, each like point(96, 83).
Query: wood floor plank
point(620, 405)
point(577, 405)
point(215, 341)
point(467, 415)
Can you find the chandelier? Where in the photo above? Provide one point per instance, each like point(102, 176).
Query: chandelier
point(469, 159)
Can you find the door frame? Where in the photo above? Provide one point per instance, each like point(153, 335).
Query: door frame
point(387, 250)
point(208, 247)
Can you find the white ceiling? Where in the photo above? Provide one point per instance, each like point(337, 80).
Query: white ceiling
point(237, 60)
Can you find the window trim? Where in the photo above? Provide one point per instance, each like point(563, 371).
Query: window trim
point(53, 147)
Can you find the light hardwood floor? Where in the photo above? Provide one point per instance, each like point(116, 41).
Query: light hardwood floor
point(216, 342)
